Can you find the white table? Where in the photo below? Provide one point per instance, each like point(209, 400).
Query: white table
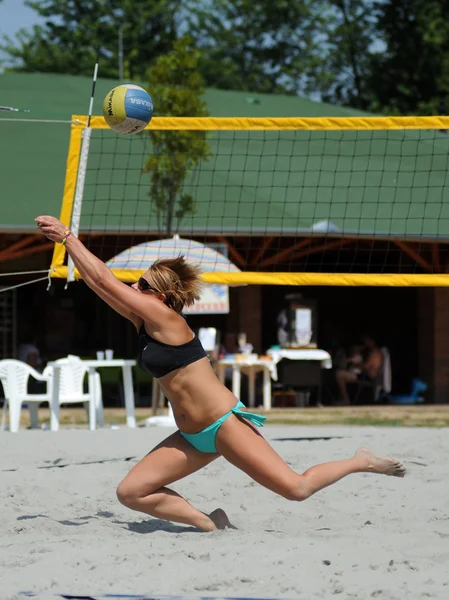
point(158, 400)
point(301, 354)
point(311, 360)
point(249, 367)
point(157, 396)
point(126, 366)
point(253, 366)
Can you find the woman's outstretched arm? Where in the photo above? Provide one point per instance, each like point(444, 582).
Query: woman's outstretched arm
point(92, 269)
point(101, 279)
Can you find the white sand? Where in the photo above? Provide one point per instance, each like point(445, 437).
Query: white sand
point(369, 536)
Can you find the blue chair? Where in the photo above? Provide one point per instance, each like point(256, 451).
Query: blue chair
point(415, 397)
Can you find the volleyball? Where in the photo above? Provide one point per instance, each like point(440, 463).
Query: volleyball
point(128, 108)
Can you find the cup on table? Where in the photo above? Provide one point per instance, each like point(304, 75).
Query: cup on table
point(100, 355)
point(109, 354)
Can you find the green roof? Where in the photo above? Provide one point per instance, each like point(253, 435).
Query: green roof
point(349, 183)
point(284, 183)
point(33, 154)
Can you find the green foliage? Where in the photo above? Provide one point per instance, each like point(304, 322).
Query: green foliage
point(257, 45)
point(411, 74)
point(385, 56)
point(176, 88)
point(348, 36)
point(77, 31)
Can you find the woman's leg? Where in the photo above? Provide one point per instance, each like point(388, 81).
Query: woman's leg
point(245, 448)
point(343, 378)
point(143, 489)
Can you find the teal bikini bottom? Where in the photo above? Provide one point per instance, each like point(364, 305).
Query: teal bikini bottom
point(204, 440)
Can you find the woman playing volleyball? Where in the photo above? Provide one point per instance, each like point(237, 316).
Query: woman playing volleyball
point(210, 419)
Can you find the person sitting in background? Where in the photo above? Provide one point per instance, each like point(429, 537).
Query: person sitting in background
point(364, 365)
point(229, 345)
point(354, 358)
point(29, 353)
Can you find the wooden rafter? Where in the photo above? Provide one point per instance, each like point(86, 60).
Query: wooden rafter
point(234, 254)
point(280, 256)
point(22, 243)
point(28, 251)
point(259, 252)
point(414, 255)
point(29, 245)
point(323, 247)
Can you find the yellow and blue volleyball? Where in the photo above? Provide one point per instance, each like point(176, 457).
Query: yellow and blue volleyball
point(128, 108)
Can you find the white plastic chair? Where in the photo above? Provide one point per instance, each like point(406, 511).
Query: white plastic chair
point(71, 388)
point(14, 375)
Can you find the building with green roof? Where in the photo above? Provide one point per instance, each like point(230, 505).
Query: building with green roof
point(35, 143)
point(409, 229)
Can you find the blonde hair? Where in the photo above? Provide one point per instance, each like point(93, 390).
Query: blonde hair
point(179, 280)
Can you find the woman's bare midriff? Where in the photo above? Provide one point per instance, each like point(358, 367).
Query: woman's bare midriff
point(197, 396)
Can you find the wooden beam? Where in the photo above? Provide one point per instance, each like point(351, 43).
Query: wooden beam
point(15, 251)
point(267, 241)
point(28, 251)
point(414, 255)
point(284, 253)
point(26, 241)
point(323, 247)
point(436, 258)
point(235, 255)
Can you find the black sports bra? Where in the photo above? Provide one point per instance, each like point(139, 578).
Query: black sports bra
point(159, 359)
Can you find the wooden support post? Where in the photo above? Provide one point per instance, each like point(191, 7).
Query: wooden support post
point(414, 255)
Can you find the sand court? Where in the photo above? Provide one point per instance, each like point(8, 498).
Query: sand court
point(369, 536)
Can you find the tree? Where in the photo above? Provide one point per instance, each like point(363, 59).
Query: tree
point(348, 38)
point(76, 32)
point(176, 88)
point(411, 74)
point(257, 45)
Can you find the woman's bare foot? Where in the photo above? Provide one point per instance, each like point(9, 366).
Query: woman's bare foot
point(220, 518)
point(376, 463)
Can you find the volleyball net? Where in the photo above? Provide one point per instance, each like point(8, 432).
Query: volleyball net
point(300, 201)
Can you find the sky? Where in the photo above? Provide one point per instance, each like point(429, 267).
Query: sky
point(14, 15)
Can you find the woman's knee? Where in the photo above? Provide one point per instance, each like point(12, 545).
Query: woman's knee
point(125, 493)
point(130, 494)
point(297, 490)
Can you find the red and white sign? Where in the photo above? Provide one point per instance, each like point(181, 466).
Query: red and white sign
point(214, 300)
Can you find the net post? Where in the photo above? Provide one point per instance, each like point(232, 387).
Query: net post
point(80, 181)
point(69, 187)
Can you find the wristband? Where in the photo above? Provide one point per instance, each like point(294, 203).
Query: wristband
point(67, 234)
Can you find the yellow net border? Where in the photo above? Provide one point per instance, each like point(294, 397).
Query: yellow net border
point(79, 123)
point(304, 279)
point(280, 123)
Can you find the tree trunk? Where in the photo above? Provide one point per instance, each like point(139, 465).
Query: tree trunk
point(170, 210)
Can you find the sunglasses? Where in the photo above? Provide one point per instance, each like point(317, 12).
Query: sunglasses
point(144, 286)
